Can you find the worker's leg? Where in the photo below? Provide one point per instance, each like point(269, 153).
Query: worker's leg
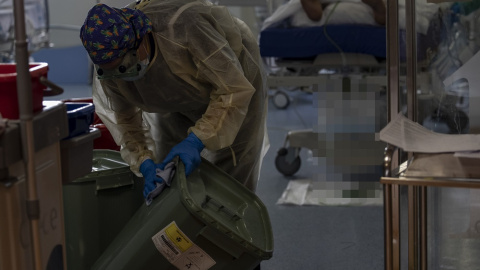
point(241, 161)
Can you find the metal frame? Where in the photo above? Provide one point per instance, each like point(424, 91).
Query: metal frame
point(24, 85)
point(417, 213)
point(417, 217)
point(417, 186)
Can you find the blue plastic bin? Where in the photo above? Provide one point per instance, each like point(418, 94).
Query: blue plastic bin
point(80, 117)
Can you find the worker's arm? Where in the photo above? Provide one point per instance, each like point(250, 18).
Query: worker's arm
point(213, 42)
point(313, 8)
point(125, 123)
point(215, 55)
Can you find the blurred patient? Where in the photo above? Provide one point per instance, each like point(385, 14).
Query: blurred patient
point(315, 9)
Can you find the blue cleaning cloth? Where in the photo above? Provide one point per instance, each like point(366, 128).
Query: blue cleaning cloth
point(167, 175)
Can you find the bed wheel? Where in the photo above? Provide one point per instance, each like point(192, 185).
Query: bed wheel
point(281, 100)
point(286, 162)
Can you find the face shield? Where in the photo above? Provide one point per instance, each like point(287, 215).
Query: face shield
point(131, 68)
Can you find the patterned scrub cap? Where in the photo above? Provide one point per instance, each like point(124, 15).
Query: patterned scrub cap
point(108, 33)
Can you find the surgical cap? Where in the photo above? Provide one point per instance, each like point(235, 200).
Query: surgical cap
point(108, 33)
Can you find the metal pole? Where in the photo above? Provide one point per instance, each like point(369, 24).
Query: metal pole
point(413, 227)
point(396, 227)
point(24, 92)
point(411, 60)
point(423, 229)
point(393, 65)
point(387, 206)
point(392, 58)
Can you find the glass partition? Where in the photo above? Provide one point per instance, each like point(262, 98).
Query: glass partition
point(447, 84)
point(454, 235)
point(434, 79)
point(453, 230)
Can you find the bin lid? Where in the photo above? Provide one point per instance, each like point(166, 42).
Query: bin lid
point(227, 206)
point(75, 110)
point(105, 163)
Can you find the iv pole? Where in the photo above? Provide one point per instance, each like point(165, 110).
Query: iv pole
point(24, 91)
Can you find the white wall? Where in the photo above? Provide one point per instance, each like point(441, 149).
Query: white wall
point(67, 14)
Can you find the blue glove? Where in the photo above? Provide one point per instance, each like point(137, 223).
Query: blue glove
point(149, 172)
point(189, 152)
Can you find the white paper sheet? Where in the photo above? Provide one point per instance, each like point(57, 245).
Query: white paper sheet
point(413, 137)
point(295, 193)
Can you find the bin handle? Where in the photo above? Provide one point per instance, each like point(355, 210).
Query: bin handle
point(220, 207)
point(54, 89)
point(229, 215)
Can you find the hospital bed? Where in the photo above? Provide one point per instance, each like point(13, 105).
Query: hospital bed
point(291, 52)
point(340, 49)
point(344, 65)
point(308, 51)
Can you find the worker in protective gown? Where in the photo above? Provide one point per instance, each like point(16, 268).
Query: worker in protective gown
point(179, 78)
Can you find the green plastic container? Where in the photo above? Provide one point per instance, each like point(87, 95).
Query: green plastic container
point(208, 221)
point(97, 207)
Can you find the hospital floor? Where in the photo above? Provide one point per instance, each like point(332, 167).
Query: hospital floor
point(310, 237)
point(314, 237)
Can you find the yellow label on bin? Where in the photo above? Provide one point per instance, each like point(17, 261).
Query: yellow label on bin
point(177, 237)
point(180, 251)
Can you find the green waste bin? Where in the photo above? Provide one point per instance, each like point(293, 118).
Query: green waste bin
point(97, 206)
point(208, 221)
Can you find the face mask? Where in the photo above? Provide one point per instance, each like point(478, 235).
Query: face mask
point(142, 69)
point(130, 69)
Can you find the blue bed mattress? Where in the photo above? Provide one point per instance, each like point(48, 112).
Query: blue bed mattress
point(308, 42)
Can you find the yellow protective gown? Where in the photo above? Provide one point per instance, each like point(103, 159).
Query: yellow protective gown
point(206, 77)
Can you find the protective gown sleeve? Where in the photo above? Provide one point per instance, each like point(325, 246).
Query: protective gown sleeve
point(124, 122)
point(216, 56)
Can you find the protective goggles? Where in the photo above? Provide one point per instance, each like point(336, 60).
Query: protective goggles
point(129, 67)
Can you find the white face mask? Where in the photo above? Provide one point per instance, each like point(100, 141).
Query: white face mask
point(143, 69)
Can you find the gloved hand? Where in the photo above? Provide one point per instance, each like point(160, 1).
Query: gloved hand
point(189, 152)
point(148, 168)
